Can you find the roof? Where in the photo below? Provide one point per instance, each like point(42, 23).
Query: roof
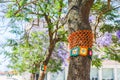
point(110, 62)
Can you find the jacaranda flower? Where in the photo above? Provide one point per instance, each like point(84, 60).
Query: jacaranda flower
point(118, 34)
point(63, 54)
point(91, 18)
point(104, 40)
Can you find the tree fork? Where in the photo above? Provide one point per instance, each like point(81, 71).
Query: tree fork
point(50, 49)
point(78, 19)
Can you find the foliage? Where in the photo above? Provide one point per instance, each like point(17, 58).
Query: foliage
point(28, 53)
point(30, 49)
point(97, 62)
point(25, 55)
point(104, 19)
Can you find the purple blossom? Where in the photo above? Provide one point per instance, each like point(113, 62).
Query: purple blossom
point(91, 18)
point(118, 34)
point(60, 53)
point(104, 40)
point(65, 63)
point(63, 54)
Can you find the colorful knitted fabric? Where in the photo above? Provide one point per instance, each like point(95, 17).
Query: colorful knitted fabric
point(81, 38)
point(43, 67)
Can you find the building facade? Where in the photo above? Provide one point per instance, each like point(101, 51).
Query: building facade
point(110, 70)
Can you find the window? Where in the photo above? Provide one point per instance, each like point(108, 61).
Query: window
point(107, 74)
point(60, 75)
point(118, 73)
point(94, 74)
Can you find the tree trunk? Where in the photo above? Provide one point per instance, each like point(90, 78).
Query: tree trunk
point(33, 76)
point(42, 75)
point(45, 62)
point(78, 19)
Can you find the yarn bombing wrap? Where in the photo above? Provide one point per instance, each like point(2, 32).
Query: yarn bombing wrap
point(81, 38)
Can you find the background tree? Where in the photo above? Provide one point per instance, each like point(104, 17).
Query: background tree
point(28, 53)
point(50, 12)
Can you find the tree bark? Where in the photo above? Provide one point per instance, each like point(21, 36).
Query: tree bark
point(33, 76)
point(78, 19)
point(52, 42)
point(45, 62)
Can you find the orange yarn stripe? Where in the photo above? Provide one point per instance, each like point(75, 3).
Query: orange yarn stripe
point(45, 67)
point(81, 38)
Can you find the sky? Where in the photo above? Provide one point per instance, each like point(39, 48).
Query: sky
point(4, 34)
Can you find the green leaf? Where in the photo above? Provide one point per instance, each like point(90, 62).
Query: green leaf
point(96, 62)
point(22, 2)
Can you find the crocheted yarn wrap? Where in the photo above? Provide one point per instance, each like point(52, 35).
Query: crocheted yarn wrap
point(81, 38)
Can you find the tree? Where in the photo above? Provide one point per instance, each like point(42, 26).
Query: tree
point(36, 10)
point(78, 19)
point(27, 54)
point(51, 11)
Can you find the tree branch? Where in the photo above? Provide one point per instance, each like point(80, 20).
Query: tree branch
point(20, 9)
point(109, 4)
point(60, 10)
point(18, 4)
point(63, 22)
point(99, 17)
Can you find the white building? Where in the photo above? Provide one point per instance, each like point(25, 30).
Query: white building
point(109, 71)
